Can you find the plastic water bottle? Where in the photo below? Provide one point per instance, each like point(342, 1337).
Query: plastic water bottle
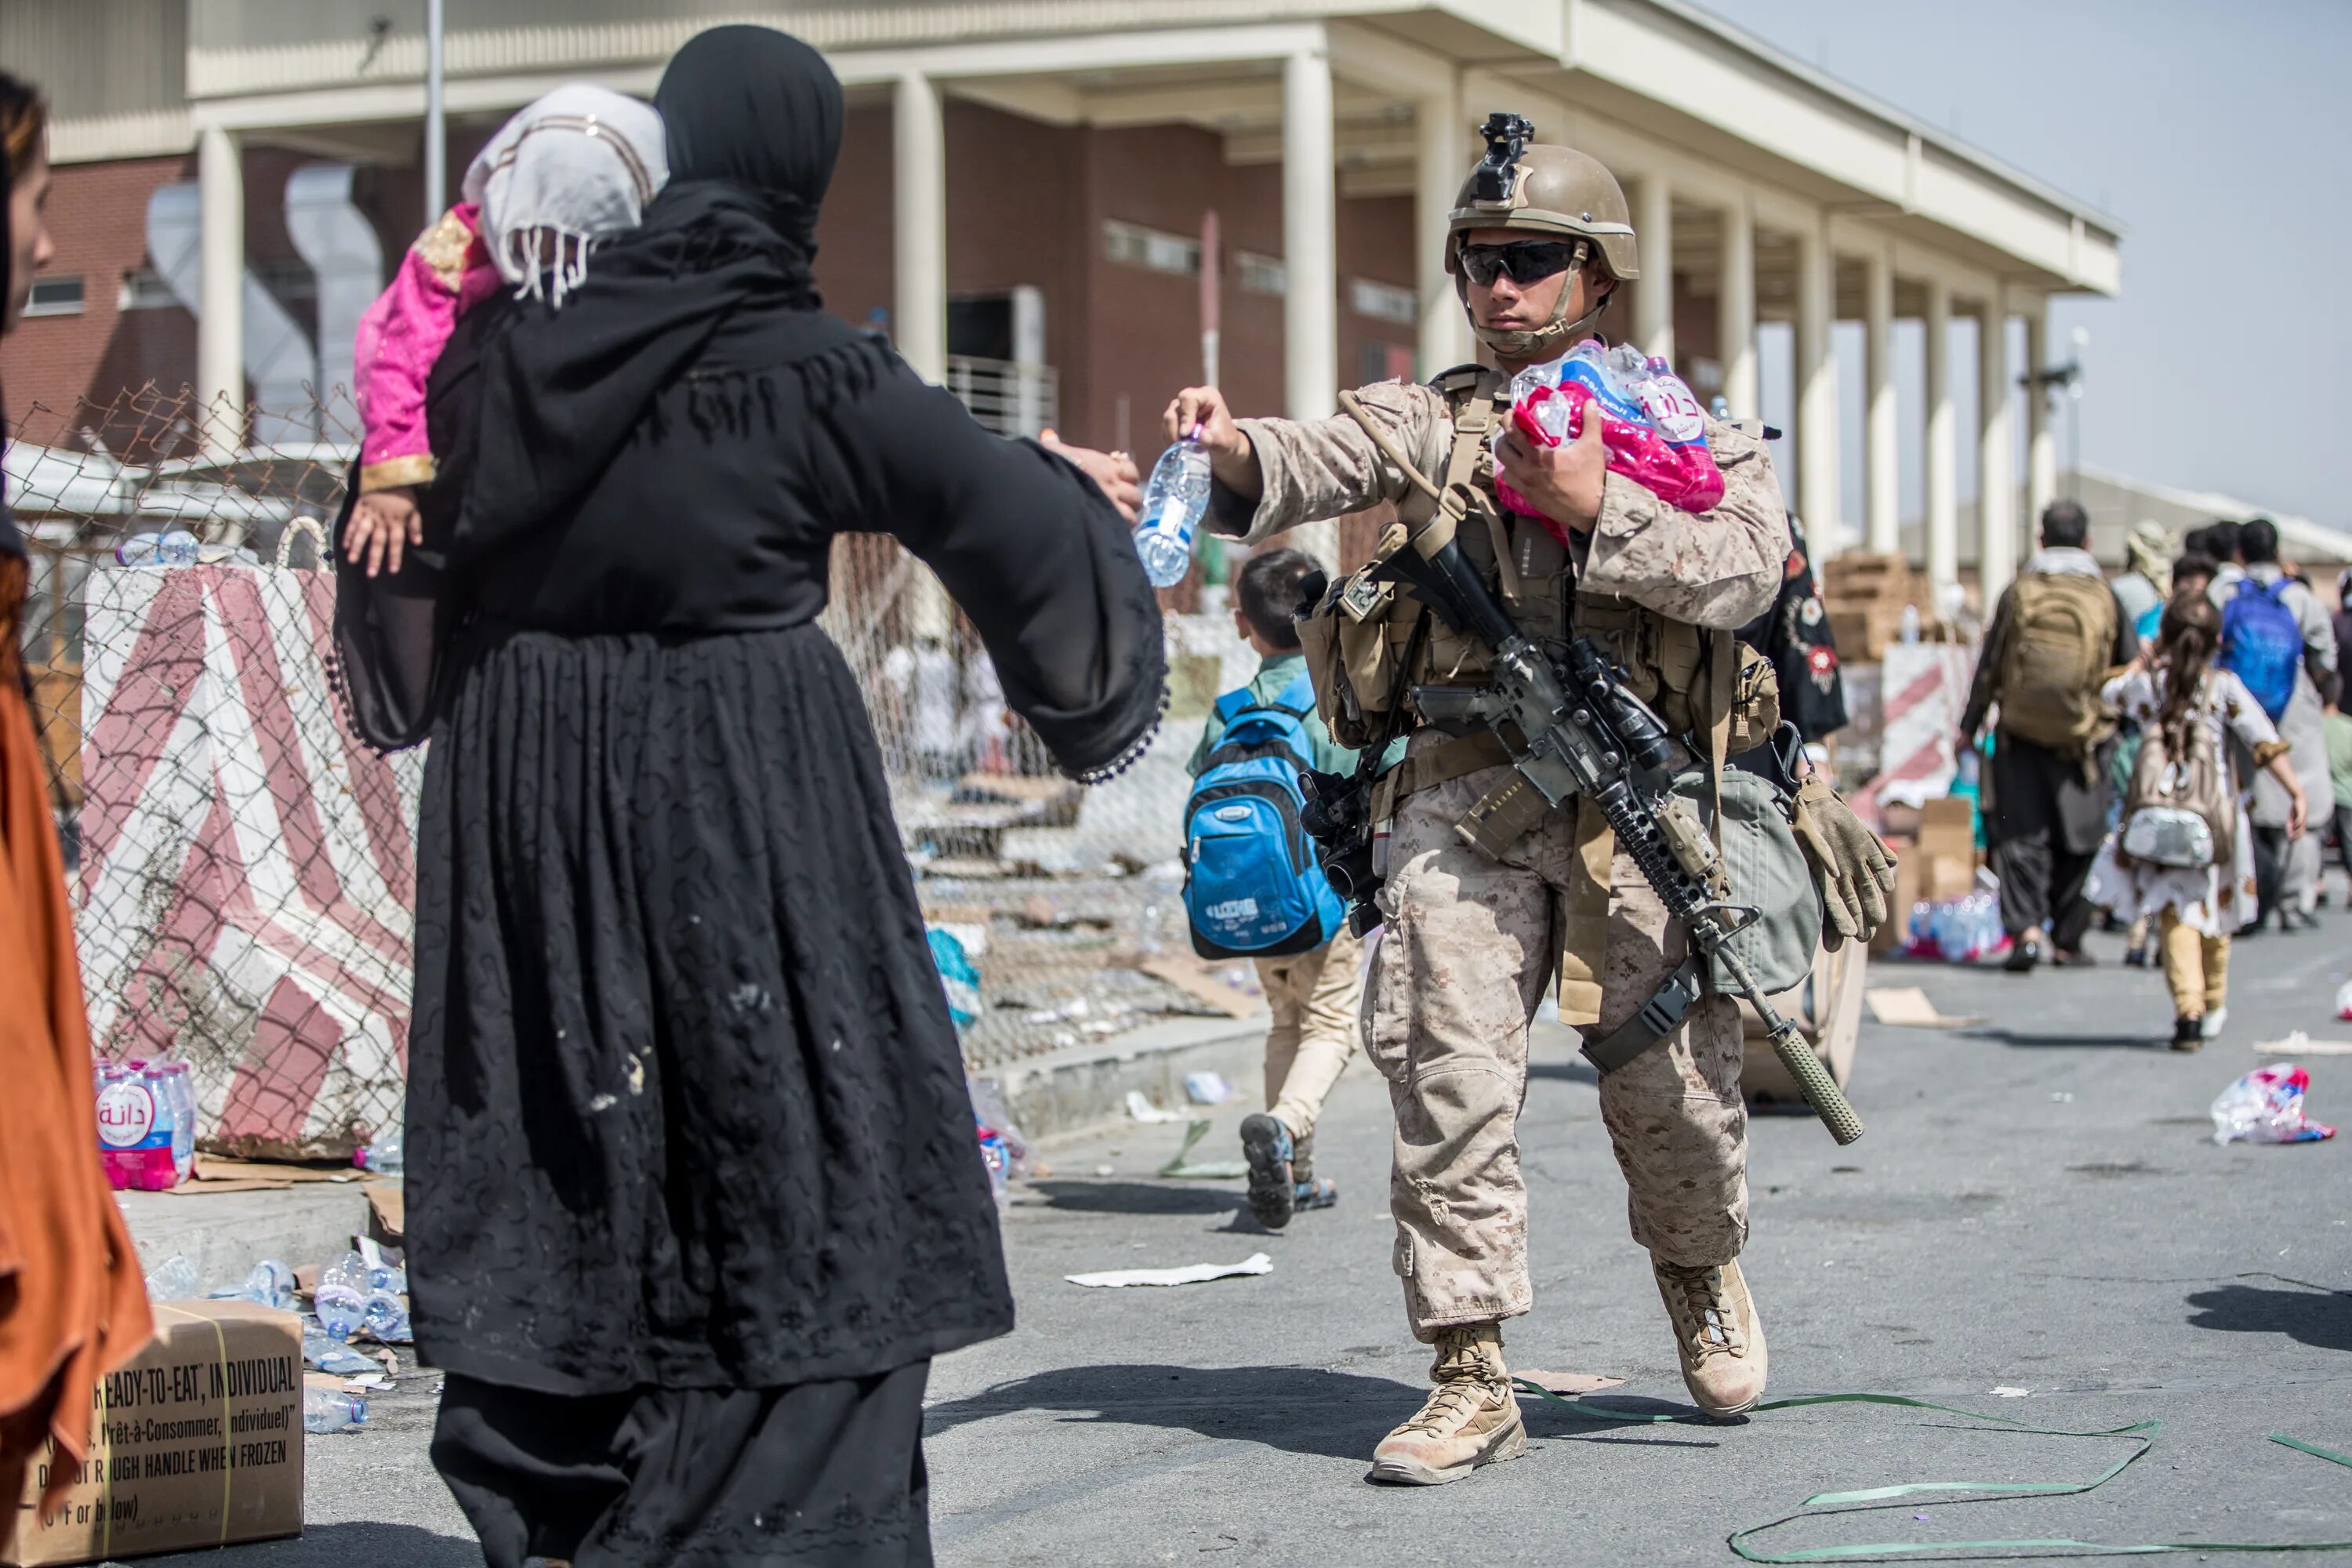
point(386, 1318)
point(183, 1082)
point(174, 1279)
point(387, 1155)
point(342, 1296)
point(271, 1284)
point(177, 548)
point(1175, 499)
point(334, 1356)
point(332, 1410)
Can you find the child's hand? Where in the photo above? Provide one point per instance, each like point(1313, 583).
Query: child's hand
point(384, 523)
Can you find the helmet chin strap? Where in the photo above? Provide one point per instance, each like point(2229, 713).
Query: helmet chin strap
point(1552, 339)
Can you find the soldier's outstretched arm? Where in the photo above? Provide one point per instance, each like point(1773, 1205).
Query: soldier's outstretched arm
point(1273, 475)
point(1720, 568)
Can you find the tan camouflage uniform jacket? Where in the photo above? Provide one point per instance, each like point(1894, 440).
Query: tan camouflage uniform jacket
point(1720, 569)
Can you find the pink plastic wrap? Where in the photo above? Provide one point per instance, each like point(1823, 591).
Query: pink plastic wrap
point(1652, 428)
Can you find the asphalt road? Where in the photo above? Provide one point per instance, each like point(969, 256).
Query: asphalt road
point(2037, 1205)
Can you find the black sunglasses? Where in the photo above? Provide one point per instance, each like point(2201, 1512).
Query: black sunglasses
point(1525, 260)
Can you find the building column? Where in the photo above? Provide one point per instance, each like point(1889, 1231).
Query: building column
point(1942, 459)
point(220, 321)
point(1441, 165)
point(1817, 398)
point(1996, 459)
point(1735, 317)
point(2041, 442)
point(1653, 295)
point(919, 192)
point(1881, 434)
point(1310, 301)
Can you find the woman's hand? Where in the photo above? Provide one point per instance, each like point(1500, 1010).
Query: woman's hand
point(383, 524)
point(1562, 482)
point(1113, 473)
point(2298, 815)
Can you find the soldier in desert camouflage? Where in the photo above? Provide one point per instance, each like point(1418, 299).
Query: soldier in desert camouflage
point(1537, 243)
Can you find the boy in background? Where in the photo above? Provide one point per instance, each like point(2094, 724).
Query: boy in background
point(1316, 996)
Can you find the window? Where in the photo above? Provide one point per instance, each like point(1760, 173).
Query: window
point(1383, 302)
point(1261, 274)
point(55, 297)
point(1135, 245)
point(144, 290)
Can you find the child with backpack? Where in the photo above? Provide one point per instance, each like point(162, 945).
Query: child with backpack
point(2184, 851)
point(2277, 639)
point(1253, 888)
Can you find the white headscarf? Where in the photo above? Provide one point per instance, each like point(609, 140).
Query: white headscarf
point(580, 164)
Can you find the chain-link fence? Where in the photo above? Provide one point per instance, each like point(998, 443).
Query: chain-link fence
point(242, 868)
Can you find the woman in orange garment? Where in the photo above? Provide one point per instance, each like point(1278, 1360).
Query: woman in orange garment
point(73, 1306)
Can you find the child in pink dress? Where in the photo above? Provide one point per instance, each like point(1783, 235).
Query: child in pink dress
point(576, 167)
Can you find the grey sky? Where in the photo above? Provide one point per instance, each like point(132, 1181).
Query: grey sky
point(2216, 134)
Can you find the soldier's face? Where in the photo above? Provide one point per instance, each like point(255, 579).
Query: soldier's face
point(1505, 306)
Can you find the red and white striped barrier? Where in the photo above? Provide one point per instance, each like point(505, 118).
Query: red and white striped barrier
point(1923, 689)
point(247, 874)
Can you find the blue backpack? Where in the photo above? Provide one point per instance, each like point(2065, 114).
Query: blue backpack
point(1253, 887)
point(2261, 642)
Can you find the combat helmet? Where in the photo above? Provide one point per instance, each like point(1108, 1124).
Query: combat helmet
point(1553, 191)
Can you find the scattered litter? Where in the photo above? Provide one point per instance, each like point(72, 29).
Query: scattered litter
point(1142, 1110)
point(2061, 1097)
point(1207, 1088)
point(174, 1279)
point(271, 1284)
point(2344, 1002)
point(2298, 1044)
point(957, 976)
point(1195, 979)
point(332, 1356)
point(1208, 1170)
point(1909, 1006)
point(2266, 1107)
point(1191, 1274)
point(1106, 1170)
point(368, 1383)
point(2006, 1392)
point(387, 1156)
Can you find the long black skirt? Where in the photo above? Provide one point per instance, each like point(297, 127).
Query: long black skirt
point(824, 1473)
point(686, 1108)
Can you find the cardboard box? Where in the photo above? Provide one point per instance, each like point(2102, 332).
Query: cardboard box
point(197, 1443)
point(1893, 936)
point(1947, 876)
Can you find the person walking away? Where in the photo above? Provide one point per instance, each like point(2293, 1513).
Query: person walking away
point(73, 1305)
point(2188, 708)
point(2281, 643)
point(1537, 243)
point(2339, 729)
point(2341, 622)
point(694, 1197)
point(2146, 581)
point(2056, 635)
point(1314, 994)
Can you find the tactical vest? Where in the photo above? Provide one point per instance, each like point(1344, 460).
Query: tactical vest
point(1368, 643)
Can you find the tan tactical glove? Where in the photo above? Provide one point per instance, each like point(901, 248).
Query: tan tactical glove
point(1856, 871)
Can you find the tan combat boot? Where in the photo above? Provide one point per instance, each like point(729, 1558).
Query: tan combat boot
point(1717, 1332)
point(1472, 1418)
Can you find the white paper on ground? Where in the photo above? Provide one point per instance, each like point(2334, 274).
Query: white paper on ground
point(1191, 1274)
point(1908, 1005)
point(2299, 1044)
point(1142, 1110)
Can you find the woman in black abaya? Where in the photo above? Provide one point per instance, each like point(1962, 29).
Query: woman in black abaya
point(694, 1191)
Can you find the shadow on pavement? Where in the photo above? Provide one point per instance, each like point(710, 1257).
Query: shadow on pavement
point(2143, 1041)
point(1298, 1409)
point(2318, 1318)
point(1575, 1070)
point(1135, 1197)
point(341, 1545)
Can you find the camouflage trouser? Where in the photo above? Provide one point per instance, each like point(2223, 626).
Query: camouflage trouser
point(1467, 956)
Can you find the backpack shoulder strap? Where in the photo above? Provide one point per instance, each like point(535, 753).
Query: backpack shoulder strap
point(1233, 704)
point(1297, 698)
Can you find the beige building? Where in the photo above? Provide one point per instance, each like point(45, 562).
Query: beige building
point(1336, 132)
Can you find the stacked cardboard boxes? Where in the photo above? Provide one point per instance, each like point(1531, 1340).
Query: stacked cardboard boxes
point(1865, 596)
point(1936, 858)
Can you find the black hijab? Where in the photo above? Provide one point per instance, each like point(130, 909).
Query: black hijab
point(754, 119)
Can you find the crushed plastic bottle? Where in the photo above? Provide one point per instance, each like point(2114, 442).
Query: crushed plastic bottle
point(1175, 499)
point(387, 1316)
point(270, 1284)
point(341, 1296)
point(387, 1156)
point(174, 1279)
point(328, 1410)
point(2266, 1107)
point(334, 1356)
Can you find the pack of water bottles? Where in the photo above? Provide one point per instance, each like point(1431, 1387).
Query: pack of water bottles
point(1957, 931)
point(1653, 428)
point(363, 1289)
point(146, 1122)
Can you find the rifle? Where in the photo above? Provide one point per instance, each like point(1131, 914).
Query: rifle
point(1581, 731)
